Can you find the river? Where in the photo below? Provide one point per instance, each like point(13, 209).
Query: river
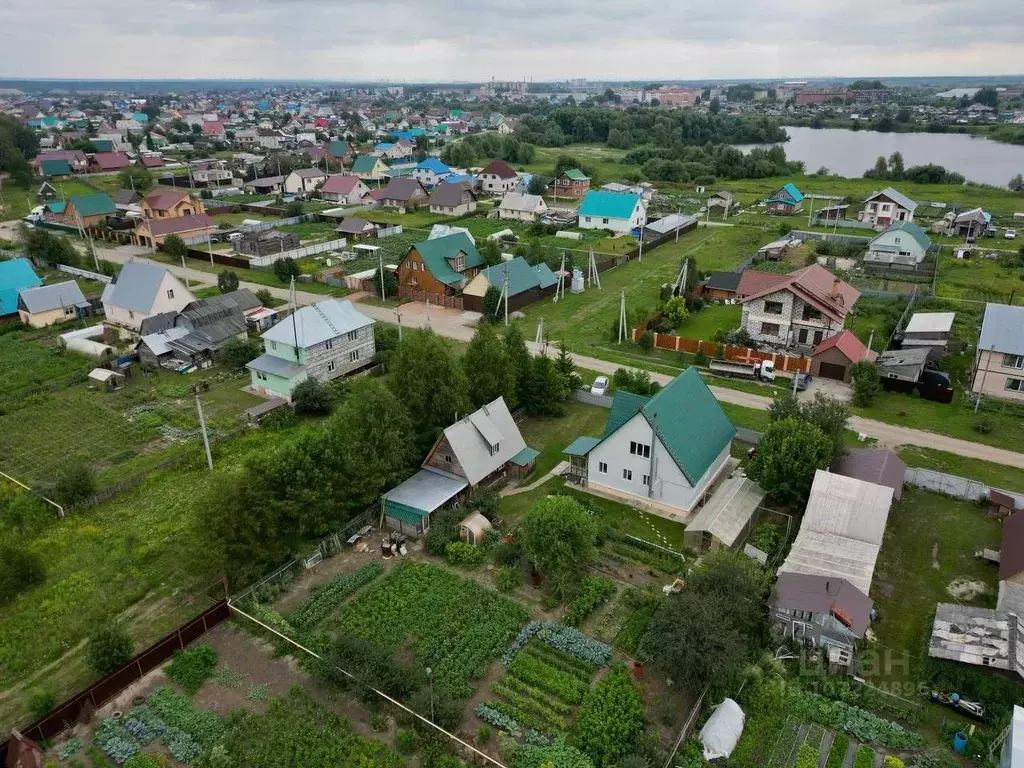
point(850, 153)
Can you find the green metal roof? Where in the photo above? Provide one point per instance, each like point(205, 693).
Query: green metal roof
point(338, 148)
point(576, 175)
point(59, 167)
point(911, 229)
point(521, 276)
point(102, 145)
point(608, 205)
point(625, 405)
point(404, 512)
point(690, 423)
point(788, 194)
point(581, 446)
point(364, 163)
point(545, 276)
point(525, 457)
point(56, 206)
point(435, 254)
point(97, 204)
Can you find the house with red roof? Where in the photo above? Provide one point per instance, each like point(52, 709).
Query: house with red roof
point(835, 357)
point(214, 130)
point(153, 232)
point(106, 162)
point(497, 178)
point(76, 159)
point(344, 189)
point(799, 309)
point(151, 161)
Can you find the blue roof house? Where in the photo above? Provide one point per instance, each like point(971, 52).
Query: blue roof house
point(617, 211)
point(663, 452)
point(430, 171)
point(15, 276)
point(786, 201)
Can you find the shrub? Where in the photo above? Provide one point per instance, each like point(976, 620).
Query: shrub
point(444, 529)
point(485, 501)
point(675, 311)
point(767, 538)
point(611, 719)
point(983, 425)
point(41, 701)
point(237, 352)
point(75, 483)
point(464, 554)
point(867, 384)
point(483, 734)
point(312, 398)
point(509, 578)
point(405, 742)
point(700, 359)
point(891, 761)
point(22, 570)
point(646, 341)
point(227, 281)
point(265, 296)
point(191, 667)
point(109, 648)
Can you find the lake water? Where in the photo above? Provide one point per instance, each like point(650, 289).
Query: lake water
point(850, 153)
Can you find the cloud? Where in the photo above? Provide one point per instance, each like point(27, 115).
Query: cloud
point(473, 40)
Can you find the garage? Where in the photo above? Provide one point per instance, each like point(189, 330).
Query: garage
point(832, 371)
point(835, 356)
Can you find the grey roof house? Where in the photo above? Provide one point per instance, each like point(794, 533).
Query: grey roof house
point(48, 304)
point(141, 290)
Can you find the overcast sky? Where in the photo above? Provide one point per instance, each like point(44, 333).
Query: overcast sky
point(419, 40)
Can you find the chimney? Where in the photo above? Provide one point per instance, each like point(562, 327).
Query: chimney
point(835, 287)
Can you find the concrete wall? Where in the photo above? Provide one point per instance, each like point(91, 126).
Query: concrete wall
point(991, 376)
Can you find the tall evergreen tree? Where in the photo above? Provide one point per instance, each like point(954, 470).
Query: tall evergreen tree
point(546, 390)
point(488, 369)
point(519, 359)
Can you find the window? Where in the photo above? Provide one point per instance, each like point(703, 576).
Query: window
point(131, 315)
point(261, 375)
point(769, 329)
point(646, 480)
point(1013, 361)
point(773, 307)
point(494, 449)
point(639, 449)
point(352, 335)
point(810, 313)
point(602, 467)
point(170, 293)
point(1015, 385)
point(604, 220)
point(329, 344)
point(896, 239)
point(330, 366)
point(448, 458)
point(588, 219)
point(273, 345)
point(353, 355)
point(627, 474)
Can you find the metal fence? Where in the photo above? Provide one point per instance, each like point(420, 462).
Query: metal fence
point(298, 253)
point(952, 485)
point(801, 234)
point(265, 225)
point(588, 397)
point(389, 231)
point(85, 273)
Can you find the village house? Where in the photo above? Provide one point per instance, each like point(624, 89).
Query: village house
point(430, 171)
point(998, 369)
point(339, 152)
point(902, 245)
point(369, 168)
point(153, 232)
point(835, 357)
point(663, 452)
point(930, 330)
point(479, 449)
point(496, 178)
point(785, 201)
point(76, 159)
point(434, 269)
point(344, 189)
point(171, 203)
point(265, 242)
point(802, 308)
point(887, 207)
point(142, 290)
point(572, 184)
point(721, 285)
point(724, 200)
point(452, 199)
point(355, 228)
point(620, 213)
point(55, 169)
point(971, 224)
point(268, 185)
point(55, 303)
point(519, 207)
point(86, 210)
point(404, 194)
point(126, 199)
point(16, 275)
point(303, 181)
point(108, 162)
point(523, 283)
point(322, 341)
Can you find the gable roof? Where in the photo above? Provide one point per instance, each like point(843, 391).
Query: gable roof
point(135, 286)
point(341, 185)
point(151, 161)
point(436, 253)
point(1011, 559)
point(165, 199)
point(450, 195)
point(484, 440)
point(365, 163)
point(910, 228)
point(316, 323)
point(339, 148)
point(499, 167)
point(625, 405)
point(897, 197)
point(126, 197)
point(787, 194)
point(514, 201)
point(1000, 329)
point(521, 276)
point(723, 281)
point(58, 167)
point(309, 173)
point(353, 225)
point(874, 465)
point(400, 188)
point(576, 174)
point(96, 204)
point(110, 161)
point(15, 275)
point(43, 298)
point(823, 595)
point(433, 164)
point(853, 349)
point(754, 282)
point(161, 227)
point(814, 284)
point(608, 205)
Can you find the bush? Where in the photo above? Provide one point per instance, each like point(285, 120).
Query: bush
point(41, 701)
point(285, 269)
point(265, 296)
point(21, 570)
point(700, 359)
point(767, 538)
point(483, 734)
point(75, 483)
point(444, 529)
point(891, 761)
point(109, 648)
point(675, 311)
point(485, 501)
point(867, 384)
point(191, 667)
point(646, 341)
point(509, 578)
point(464, 554)
point(405, 742)
point(983, 425)
point(312, 398)
point(610, 719)
point(227, 281)
point(237, 352)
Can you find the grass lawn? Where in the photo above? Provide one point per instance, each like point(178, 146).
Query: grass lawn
point(551, 435)
point(257, 276)
point(929, 542)
point(28, 363)
point(703, 324)
point(420, 219)
point(312, 231)
point(996, 475)
point(614, 514)
point(18, 201)
point(602, 161)
point(979, 279)
point(236, 219)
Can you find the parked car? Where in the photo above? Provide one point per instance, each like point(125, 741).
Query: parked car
point(1010, 234)
point(600, 386)
point(764, 370)
point(803, 381)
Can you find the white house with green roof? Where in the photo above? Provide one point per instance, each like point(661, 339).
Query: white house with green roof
point(901, 245)
point(665, 451)
point(620, 212)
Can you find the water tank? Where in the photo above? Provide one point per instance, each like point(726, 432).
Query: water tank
point(577, 280)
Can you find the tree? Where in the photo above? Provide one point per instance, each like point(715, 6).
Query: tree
point(787, 456)
point(829, 414)
point(1017, 183)
point(285, 269)
point(896, 168)
point(491, 253)
point(75, 483)
point(488, 370)
point(885, 124)
point(519, 359)
point(611, 719)
point(558, 537)
point(867, 384)
point(265, 296)
point(109, 648)
point(545, 389)
point(646, 342)
point(566, 368)
point(237, 352)
point(432, 383)
point(227, 281)
point(312, 398)
point(135, 177)
point(492, 304)
point(988, 96)
point(294, 208)
point(22, 570)
point(675, 311)
point(715, 106)
point(175, 247)
point(538, 185)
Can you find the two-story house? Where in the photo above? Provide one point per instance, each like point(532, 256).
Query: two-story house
point(496, 178)
point(453, 199)
point(404, 194)
point(304, 180)
point(663, 452)
point(902, 245)
point(436, 268)
point(785, 201)
point(887, 207)
point(821, 596)
point(340, 152)
point(802, 308)
point(621, 213)
point(998, 369)
point(141, 290)
point(369, 167)
point(86, 210)
point(349, 190)
point(430, 171)
point(519, 207)
point(572, 184)
point(171, 203)
point(321, 341)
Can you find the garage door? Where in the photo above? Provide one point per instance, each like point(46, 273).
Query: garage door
point(832, 371)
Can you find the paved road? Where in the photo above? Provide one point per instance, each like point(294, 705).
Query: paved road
point(460, 325)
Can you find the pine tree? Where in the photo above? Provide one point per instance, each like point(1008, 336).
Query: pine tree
point(519, 359)
point(488, 368)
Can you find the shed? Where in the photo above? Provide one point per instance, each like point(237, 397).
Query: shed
point(111, 380)
point(902, 364)
point(835, 357)
point(874, 465)
point(473, 528)
point(407, 507)
point(727, 517)
point(722, 731)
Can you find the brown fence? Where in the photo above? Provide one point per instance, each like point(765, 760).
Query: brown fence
point(451, 302)
point(68, 713)
point(218, 258)
point(729, 352)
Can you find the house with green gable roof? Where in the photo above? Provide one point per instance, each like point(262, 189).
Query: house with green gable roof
point(664, 452)
point(785, 201)
point(435, 269)
point(902, 245)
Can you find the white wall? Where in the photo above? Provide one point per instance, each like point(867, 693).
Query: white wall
point(161, 303)
point(637, 219)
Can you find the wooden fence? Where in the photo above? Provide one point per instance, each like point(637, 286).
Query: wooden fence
point(728, 352)
point(410, 293)
point(67, 714)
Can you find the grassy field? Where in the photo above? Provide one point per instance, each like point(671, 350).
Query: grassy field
point(602, 161)
point(996, 475)
point(421, 219)
point(257, 276)
point(29, 363)
point(703, 324)
point(551, 435)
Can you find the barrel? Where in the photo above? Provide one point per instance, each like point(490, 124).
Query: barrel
point(959, 742)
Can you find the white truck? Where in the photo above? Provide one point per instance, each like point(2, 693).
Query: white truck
point(764, 370)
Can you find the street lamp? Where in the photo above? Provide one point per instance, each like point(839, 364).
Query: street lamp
point(430, 677)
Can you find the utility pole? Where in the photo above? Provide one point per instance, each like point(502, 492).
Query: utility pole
point(295, 309)
point(399, 316)
point(810, 211)
point(977, 401)
point(380, 259)
point(209, 247)
point(679, 213)
point(622, 317)
point(206, 438)
point(539, 339)
point(185, 270)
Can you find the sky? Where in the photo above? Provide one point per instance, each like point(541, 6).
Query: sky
point(475, 40)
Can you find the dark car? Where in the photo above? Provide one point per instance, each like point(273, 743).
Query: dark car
point(803, 381)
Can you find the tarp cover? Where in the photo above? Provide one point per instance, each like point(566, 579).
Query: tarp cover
point(722, 730)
